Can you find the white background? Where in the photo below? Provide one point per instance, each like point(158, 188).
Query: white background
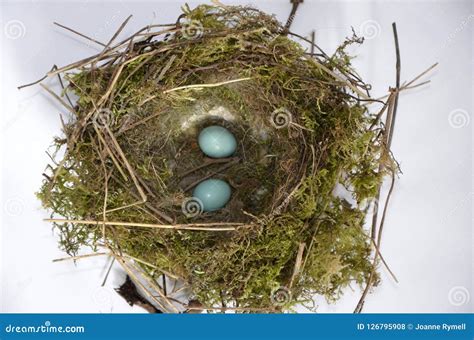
point(428, 233)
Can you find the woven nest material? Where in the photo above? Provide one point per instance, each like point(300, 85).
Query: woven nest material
point(310, 159)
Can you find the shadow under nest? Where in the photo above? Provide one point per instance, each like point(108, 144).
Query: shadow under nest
point(132, 156)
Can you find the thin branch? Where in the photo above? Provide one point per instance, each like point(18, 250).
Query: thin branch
point(370, 280)
point(397, 86)
point(199, 86)
point(79, 34)
point(377, 250)
point(108, 271)
point(66, 105)
point(218, 226)
point(206, 163)
point(79, 257)
point(291, 17)
point(122, 26)
point(390, 122)
point(222, 168)
point(298, 264)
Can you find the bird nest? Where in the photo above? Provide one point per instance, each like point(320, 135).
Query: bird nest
point(310, 158)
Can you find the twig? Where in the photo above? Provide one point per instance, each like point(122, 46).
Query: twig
point(198, 86)
point(79, 34)
point(298, 263)
point(420, 75)
point(166, 68)
point(140, 122)
point(397, 86)
point(377, 250)
point(292, 15)
point(207, 163)
point(321, 51)
point(127, 165)
point(38, 81)
point(222, 168)
point(391, 115)
point(370, 280)
point(408, 86)
point(122, 26)
point(108, 271)
point(66, 105)
point(64, 89)
point(344, 81)
point(224, 226)
point(79, 257)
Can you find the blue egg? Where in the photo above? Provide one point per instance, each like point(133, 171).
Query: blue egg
point(213, 194)
point(217, 142)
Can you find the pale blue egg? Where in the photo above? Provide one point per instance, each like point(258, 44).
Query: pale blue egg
point(217, 142)
point(213, 194)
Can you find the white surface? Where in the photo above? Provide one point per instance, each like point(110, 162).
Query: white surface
point(428, 233)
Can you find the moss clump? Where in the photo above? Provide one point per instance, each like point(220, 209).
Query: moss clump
point(303, 131)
